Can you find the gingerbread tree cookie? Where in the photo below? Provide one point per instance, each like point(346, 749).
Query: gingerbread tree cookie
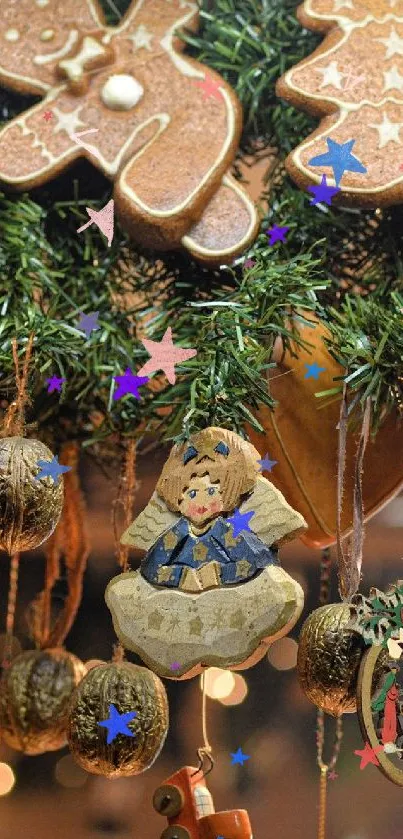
point(354, 83)
point(167, 128)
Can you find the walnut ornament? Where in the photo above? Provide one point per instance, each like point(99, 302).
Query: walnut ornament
point(29, 509)
point(329, 656)
point(35, 693)
point(129, 688)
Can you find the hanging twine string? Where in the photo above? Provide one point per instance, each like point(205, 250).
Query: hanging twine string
point(11, 606)
point(124, 500)
point(325, 768)
point(205, 751)
point(350, 561)
point(69, 541)
point(13, 426)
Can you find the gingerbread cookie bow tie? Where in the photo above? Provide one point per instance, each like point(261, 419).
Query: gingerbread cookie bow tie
point(354, 83)
point(168, 129)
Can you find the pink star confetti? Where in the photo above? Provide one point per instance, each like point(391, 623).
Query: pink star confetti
point(249, 263)
point(210, 87)
point(164, 355)
point(87, 146)
point(103, 219)
point(332, 775)
point(353, 81)
point(368, 755)
point(47, 115)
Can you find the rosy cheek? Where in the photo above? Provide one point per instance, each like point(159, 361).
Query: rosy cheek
point(192, 509)
point(216, 506)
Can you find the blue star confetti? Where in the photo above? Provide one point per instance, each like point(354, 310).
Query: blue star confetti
point(240, 521)
point(129, 383)
point(339, 158)
point(277, 234)
point(117, 723)
point(239, 757)
point(323, 193)
point(313, 371)
point(266, 465)
point(51, 469)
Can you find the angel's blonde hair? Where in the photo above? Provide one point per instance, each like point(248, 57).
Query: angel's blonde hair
point(236, 470)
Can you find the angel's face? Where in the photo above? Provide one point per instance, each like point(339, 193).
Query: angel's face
point(201, 500)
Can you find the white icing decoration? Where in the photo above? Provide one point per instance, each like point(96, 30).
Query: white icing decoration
point(42, 3)
point(388, 131)
point(12, 35)
point(68, 121)
point(51, 56)
point(181, 64)
point(174, 210)
point(341, 4)
point(331, 75)
point(141, 38)
point(394, 43)
point(47, 34)
point(73, 67)
point(121, 92)
point(392, 79)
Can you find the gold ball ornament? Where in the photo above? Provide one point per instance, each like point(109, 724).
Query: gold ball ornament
point(35, 693)
point(29, 509)
point(329, 656)
point(129, 688)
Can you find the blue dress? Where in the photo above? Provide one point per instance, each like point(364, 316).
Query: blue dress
point(240, 557)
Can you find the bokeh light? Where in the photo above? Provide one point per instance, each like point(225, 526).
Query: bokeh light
point(7, 779)
point(69, 774)
point(219, 683)
point(283, 654)
point(238, 693)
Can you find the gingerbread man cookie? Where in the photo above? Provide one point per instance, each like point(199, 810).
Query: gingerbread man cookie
point(354, 83)
point(168, 128)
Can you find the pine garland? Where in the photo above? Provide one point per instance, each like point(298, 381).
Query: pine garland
point(49, 274)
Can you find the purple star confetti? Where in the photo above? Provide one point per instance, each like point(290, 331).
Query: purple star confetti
point(129, 383)
point(240, 521)
point(277, 234)
point(266, 465)
point(88, 323)
point(54, 383)
point(323, 192)
point(175, 665)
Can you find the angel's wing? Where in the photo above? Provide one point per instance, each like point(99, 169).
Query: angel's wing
point(274, 520)
point(154, 520)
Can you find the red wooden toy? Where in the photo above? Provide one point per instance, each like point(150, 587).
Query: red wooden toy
point(187, 804)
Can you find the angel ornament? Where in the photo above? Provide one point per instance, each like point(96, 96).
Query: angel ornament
point(210, 589)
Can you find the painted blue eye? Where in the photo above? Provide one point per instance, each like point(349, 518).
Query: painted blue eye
point(190, 453)
point(211, 490)
point(192, 493)
point(221, 448)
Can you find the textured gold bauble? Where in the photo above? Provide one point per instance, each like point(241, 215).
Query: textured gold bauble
point(29, 509)
point(329, 656)
point(35, 693)
point(129, 688)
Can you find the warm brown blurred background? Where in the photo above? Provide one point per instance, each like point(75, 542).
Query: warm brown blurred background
point(262, 710)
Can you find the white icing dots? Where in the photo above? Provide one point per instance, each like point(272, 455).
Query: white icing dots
point(47, 34)
point(121, 92)
point(12, 35)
